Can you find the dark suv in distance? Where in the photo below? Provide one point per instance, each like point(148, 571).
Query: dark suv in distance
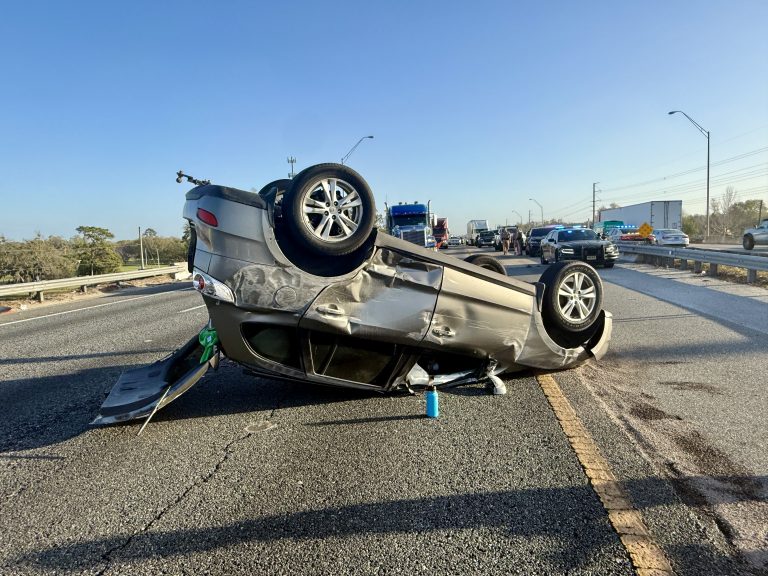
point(534, 238)
point(578, 244)
point(486, 238)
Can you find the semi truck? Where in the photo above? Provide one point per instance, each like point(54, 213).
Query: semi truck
point(410, 222)
point(657, 213)
point(474, 227)
point(441, 233)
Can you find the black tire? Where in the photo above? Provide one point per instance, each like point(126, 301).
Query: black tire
point(343, 224)
point(573, 297)
point(280, 185)
point(748, 242)
point(557, 256)
point(191, 249)
point(487, 262)
point(609, 264)
point(541, 257)
point(273, 193)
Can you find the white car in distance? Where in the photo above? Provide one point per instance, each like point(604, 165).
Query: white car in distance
point(669, 237)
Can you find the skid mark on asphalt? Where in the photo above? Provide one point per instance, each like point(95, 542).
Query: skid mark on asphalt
point(647, 557)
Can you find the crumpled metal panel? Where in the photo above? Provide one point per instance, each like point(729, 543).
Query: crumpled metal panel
point(540, 351)
point(479, 316)
point(392, 298)
point(140, 391)
point(260, 286)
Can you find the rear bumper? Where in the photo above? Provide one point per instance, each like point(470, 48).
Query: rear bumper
point(140, 391)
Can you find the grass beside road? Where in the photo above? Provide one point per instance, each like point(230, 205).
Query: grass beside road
point(738, 275)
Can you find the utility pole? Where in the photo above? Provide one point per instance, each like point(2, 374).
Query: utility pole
point(291, 161)
point(141, 249)
point(593, 202)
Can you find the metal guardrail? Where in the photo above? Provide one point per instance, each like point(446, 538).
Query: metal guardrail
point(752, 263)
point(38, 288)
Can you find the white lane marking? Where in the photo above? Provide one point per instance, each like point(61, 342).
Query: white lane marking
point(190, 309)
point(90, 307)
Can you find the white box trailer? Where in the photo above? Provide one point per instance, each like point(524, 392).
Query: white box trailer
point(474, 227)
point(657, 213)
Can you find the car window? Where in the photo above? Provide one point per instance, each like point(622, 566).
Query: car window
point(352, 359)
point(571, 235)
point(276, 343)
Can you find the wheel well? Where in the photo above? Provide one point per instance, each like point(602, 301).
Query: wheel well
point(321, 266)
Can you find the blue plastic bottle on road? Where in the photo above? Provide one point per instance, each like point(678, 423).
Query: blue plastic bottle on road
point(433, 407)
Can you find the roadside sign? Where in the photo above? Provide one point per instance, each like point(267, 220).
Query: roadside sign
point(645, 230)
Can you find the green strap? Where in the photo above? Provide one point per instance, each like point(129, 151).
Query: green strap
point(208, 340)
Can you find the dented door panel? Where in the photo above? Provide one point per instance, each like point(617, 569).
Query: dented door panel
point(391, 299)
point(477, 315)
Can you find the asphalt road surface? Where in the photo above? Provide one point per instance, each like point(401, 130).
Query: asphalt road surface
point(246, 475)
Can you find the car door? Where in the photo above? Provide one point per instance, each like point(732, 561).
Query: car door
point(547, 246)
point(356, 330)
point(478, 315)
point(761, 233)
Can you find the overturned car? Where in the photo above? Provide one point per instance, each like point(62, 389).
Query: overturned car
point(300, 284)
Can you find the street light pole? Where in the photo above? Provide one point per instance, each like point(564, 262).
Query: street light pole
point(706, 134)
point(541, 208)
point(344, 159)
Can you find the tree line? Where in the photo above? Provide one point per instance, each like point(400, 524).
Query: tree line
point(91, 251)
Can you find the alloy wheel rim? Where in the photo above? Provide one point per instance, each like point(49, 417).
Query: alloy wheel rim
point(332, 209)
point(577, 296)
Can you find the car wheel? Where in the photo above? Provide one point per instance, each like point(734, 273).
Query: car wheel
point(609, 264)
point(280, 187)
point(557, 256)
point(748, 242)
point(487, 262)
point(273, 194)
point(329, 209)
point(573, 297)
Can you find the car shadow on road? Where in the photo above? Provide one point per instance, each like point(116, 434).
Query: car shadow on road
point(45, 411)
point(524, 514)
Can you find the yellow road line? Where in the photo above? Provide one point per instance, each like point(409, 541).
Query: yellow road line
point(647, 557)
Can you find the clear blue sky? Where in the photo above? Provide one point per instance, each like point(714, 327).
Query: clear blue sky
point(476, 106)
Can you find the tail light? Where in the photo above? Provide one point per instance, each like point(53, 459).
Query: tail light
point(209, 286)
point(198, 282)
point(207, 217)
